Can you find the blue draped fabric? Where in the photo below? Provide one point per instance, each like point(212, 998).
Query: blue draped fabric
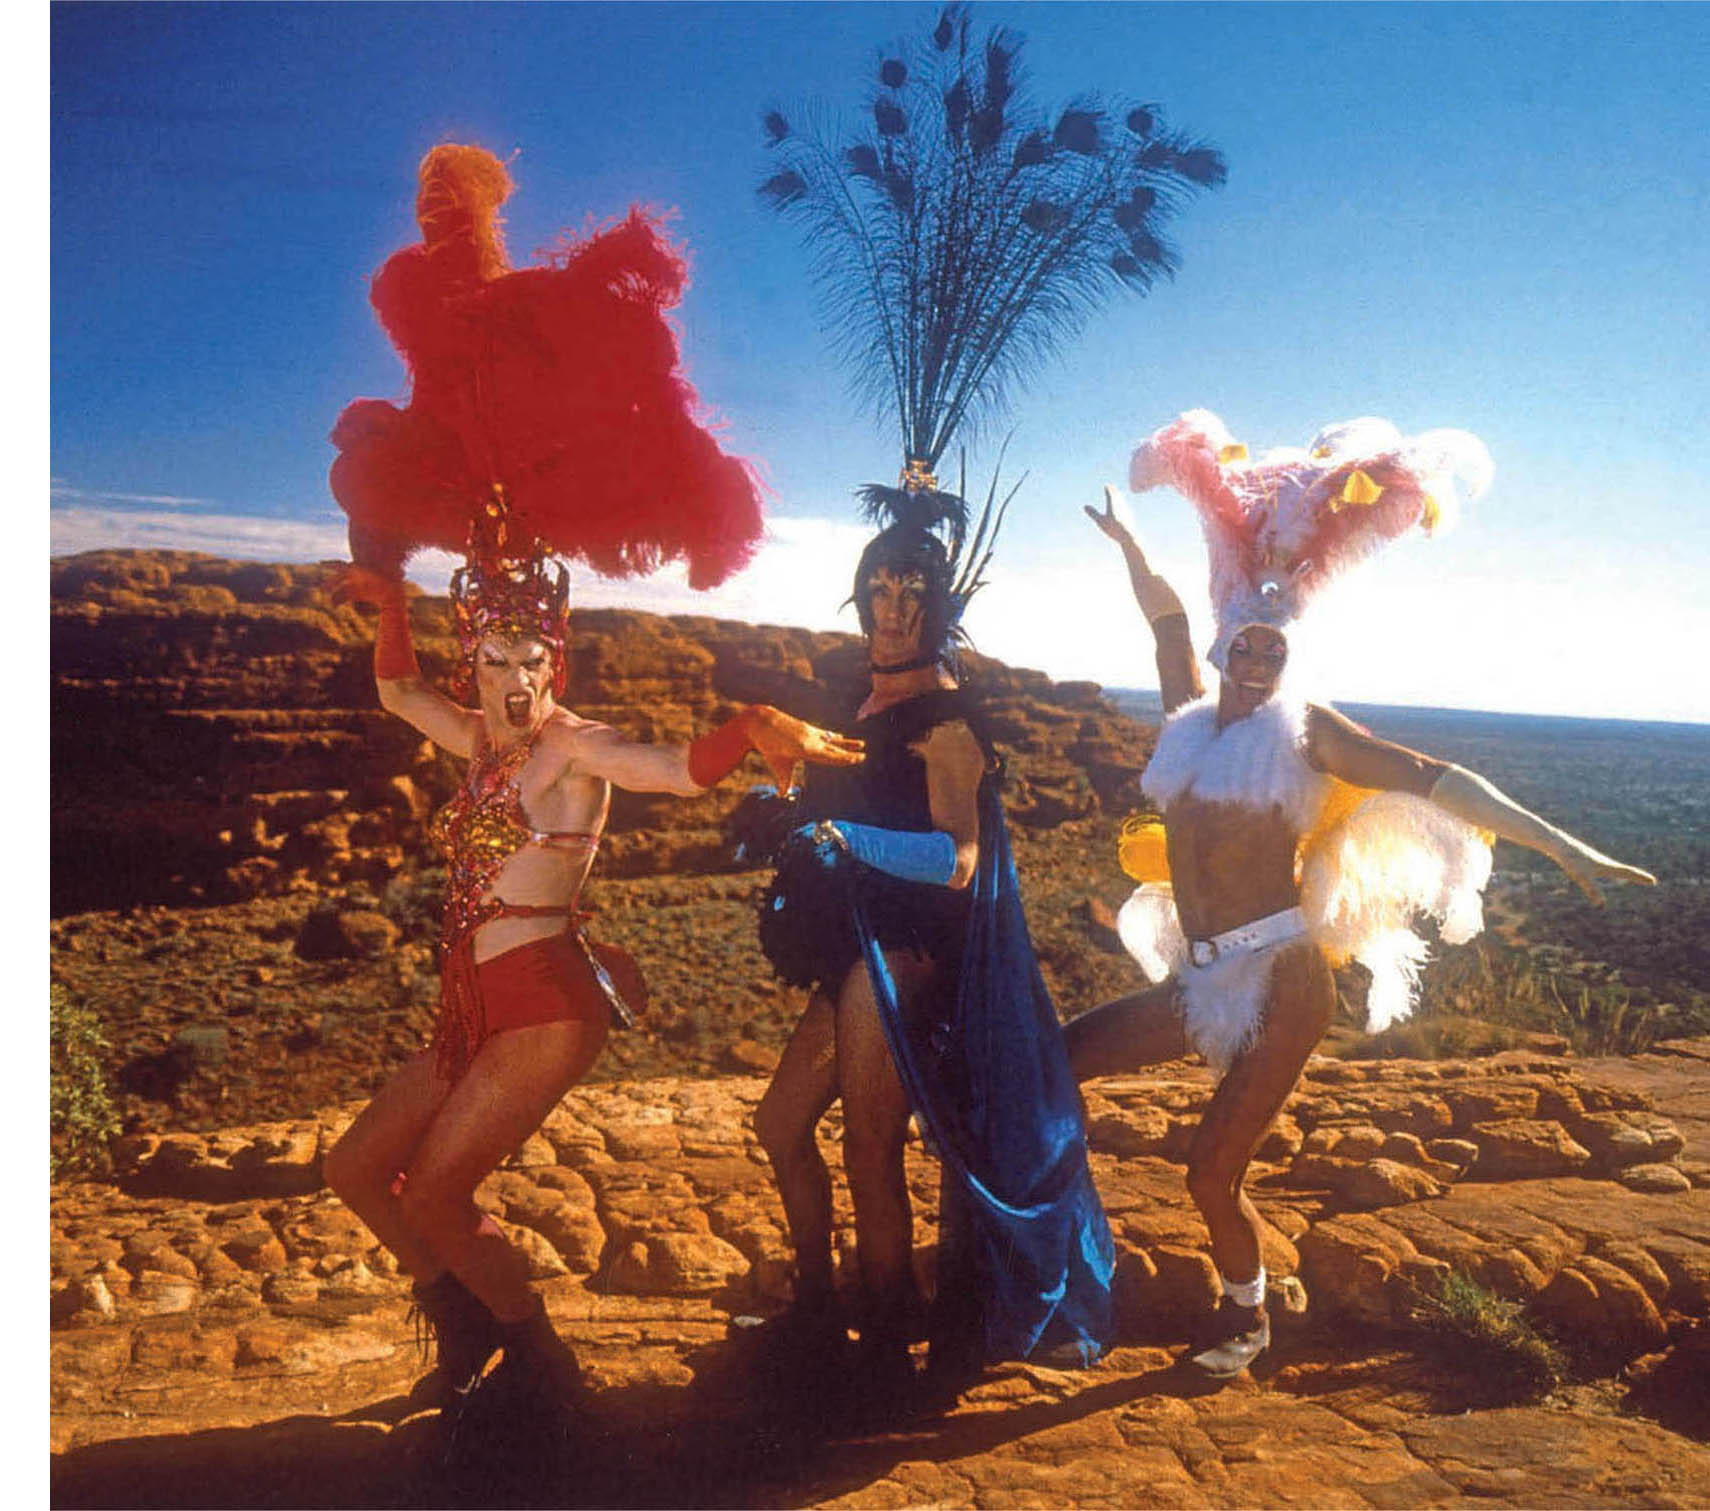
point(994, 1093)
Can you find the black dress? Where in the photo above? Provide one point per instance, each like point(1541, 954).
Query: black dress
point(805, 925)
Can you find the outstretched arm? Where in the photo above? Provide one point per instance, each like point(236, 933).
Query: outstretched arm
point(687, 770)
point(1178, 667)
point(1340, 747)
point(396, 672)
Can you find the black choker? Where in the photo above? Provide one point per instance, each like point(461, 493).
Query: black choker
point(901, 666)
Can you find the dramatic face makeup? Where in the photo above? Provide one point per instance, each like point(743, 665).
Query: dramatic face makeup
point(514, 680)
point(898, 613)
point(1256, 660)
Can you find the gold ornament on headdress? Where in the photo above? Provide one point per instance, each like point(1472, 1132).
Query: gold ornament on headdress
point(1235, 451)
point(501, 591)
point(917, 476)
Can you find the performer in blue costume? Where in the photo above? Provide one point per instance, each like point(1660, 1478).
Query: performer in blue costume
point(897, 902)
point(960, 234)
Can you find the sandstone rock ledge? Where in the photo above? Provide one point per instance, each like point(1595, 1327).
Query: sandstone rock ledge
point(226, 1334)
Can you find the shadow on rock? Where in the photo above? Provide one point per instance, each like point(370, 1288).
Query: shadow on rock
point(715, 1443)
point(634, 1446)
point(295, 1461)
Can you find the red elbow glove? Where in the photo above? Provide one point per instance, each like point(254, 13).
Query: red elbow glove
point(714, 756)
point(394, 649)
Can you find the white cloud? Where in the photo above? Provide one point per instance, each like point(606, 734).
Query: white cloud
point(246, 537)
point(63, 494)
point(799, 576)
point(1410, 630)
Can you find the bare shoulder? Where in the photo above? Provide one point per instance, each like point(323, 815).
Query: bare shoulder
point(569, 739)
point(1321, 718)
point(1328, 731)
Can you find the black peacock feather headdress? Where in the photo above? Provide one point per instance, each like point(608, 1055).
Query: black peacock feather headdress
point(961, 237)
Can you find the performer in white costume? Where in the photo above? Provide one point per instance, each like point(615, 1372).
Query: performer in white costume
point(1292, 839)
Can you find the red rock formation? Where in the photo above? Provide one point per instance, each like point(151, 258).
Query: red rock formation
point(216, 734)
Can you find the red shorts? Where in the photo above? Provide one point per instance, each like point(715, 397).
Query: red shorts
point(544, 981)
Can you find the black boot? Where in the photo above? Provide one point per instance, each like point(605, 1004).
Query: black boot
point(956, 1319)
point(462, 1335)
point(1235, 1337)
point(882, 1389)
point(538, 1369)
point(812, 1329)
point(521, 1423)
point(795, 1363)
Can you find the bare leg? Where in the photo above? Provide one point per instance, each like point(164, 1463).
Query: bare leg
point(1121, 1036)
point(875, 1128)
point(803, 1087)
point(1298, 1009)
point(510, 1086)
point(363, 1165)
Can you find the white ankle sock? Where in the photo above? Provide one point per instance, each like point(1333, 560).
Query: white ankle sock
point(1248, 1293)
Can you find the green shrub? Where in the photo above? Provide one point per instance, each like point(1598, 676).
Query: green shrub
point(1610, 1021)
point(1489, 1341)
point(82, 1117)
point(1481, 997)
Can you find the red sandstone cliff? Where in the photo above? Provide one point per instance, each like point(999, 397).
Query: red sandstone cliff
point(216, 734)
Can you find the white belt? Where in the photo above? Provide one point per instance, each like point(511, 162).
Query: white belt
point(1261, 933)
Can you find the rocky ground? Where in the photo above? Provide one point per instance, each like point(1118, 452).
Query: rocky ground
point(226, 1334)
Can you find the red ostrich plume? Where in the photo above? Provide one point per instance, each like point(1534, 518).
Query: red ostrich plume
point(559, 384)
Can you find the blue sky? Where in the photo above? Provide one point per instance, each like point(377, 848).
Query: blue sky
point(1486, 216)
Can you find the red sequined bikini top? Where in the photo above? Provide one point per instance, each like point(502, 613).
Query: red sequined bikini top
point(480, 829)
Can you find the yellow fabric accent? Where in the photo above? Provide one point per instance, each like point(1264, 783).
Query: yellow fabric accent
point(1340, 800)
point(1320, 452)
point(1431, 515)
point(1141, 851)
point(1235, 451)
point(1359, 491)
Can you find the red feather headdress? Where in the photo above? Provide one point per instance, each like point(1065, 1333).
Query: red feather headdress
point(548, 413)
point(1280, 528)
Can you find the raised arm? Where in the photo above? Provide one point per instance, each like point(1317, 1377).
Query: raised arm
point(397, 674)
point(687, 770)
point(1178, 666)
point(1338, 746)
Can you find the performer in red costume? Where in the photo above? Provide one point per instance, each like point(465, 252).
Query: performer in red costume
point(529, 389)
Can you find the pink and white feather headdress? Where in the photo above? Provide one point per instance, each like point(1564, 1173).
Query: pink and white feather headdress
point(1281, 527)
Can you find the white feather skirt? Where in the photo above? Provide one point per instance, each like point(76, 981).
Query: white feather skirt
point(1393, 859)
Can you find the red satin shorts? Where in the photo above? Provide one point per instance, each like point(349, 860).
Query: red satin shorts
point(544, 981)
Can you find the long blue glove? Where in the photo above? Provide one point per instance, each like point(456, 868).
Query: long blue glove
point(909, 854)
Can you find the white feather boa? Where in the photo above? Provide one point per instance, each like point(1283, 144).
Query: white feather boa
point(1362, 887)
point(1258, 761)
